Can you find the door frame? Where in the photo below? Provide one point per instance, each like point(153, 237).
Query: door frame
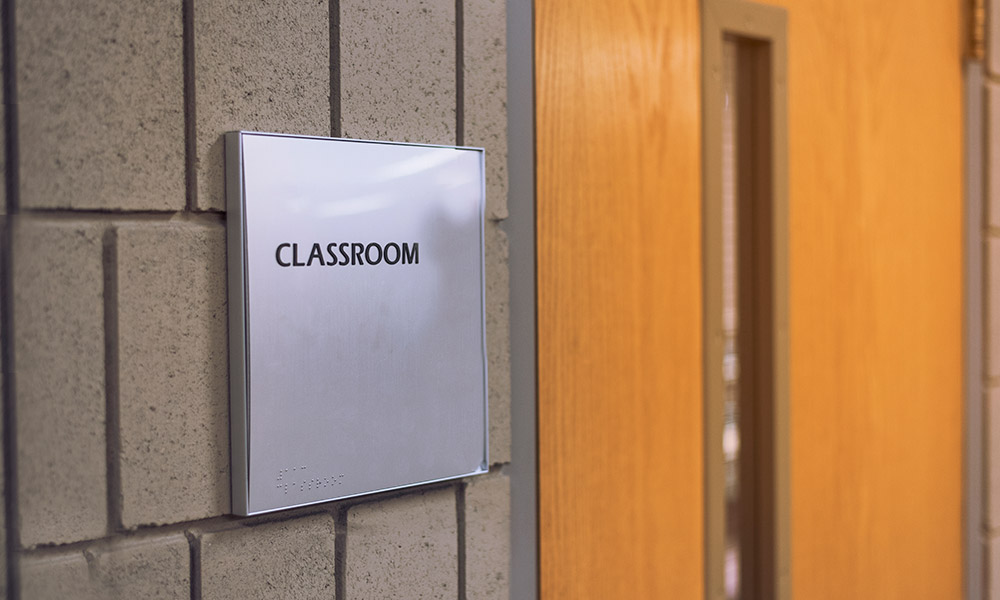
point(520, 229)
point(767, 26)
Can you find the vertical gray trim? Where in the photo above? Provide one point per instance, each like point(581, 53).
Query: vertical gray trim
point(13, 540)
point(12, 182)
point(239, 415)
point(974, 491)
point(520, 228)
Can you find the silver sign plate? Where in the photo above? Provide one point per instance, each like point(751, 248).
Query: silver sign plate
point(357, 346)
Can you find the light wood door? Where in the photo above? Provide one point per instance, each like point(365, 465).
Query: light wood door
point(619, 298)
point(875, 298)
point(875, 291)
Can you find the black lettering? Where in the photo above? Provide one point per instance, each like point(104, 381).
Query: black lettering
point(315, 254)
point(411, 258)
point(368, 254)
point(277, 254)
point(385, 253)
point(350, 253)
point(295, 256)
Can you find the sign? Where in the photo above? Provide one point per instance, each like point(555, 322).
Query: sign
point(357, 345)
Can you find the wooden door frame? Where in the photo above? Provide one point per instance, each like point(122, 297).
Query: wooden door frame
point(766, 25)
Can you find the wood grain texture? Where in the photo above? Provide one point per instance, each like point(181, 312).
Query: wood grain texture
point(875, 298)
point(619, 299)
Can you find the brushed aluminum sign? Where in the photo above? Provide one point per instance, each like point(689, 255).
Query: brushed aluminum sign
point(357, 345)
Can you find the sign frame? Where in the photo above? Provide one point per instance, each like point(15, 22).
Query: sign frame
point(241, 470)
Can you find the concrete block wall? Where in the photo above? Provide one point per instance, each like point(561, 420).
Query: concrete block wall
point(114, 316)
point(989, 520)
point(990, 366)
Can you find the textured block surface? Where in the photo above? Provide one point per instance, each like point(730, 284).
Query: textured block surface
point(290, 559)
point(993, 152)
point(148, 568)
point(487, 537)
point(101, 100)
point(406, 547)
point(101, 104)
point(173, 372)
point(485, 94)
point(992, 342)
point(993, 568)
point(155, 568)
point(59, 360)
point(56, 576)
point(397, 70)
point(992, 416)
point(498, 341)
point(260, 66)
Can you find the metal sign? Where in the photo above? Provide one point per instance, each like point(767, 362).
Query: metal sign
point(357, 345)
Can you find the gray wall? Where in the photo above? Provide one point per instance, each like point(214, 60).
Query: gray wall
point(114, 297)
point(983, 413)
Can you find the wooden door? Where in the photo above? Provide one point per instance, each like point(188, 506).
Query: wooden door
point(874, 113)
point(874, 129)
point(619, 299)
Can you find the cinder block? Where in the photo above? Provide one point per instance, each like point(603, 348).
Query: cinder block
point(59, 361)
point(993, 566)
point(992, 415)
point(487, 537)
point(101, 104)
point(56, 576)
point(148, 568)
point(406, 547)
point(485, 94)
point(291, 559)
point(262, 66)
point(993, 152)
point(498, 341)
point(397, 70)
point(173, 390)
point(992, 342)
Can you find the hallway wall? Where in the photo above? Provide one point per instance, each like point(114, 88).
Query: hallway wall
point(990, 220)
point(115, 322)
